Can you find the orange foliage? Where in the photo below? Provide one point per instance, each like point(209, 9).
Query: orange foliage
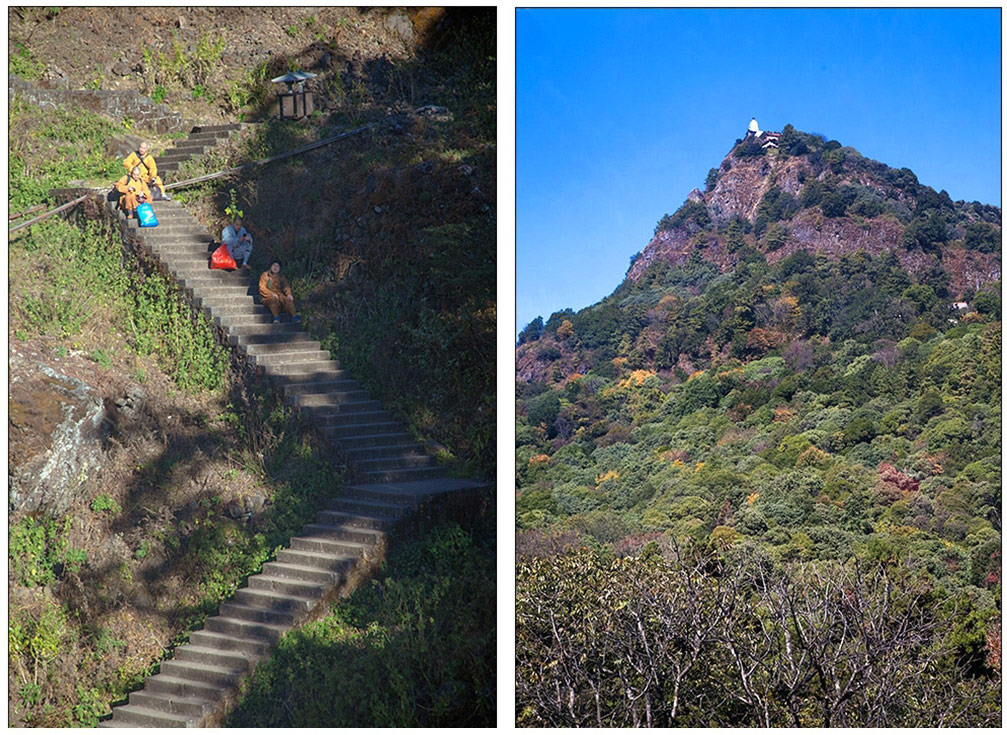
point(538, 459)
point(610, 475)
point(753, 497)
point(635, 378)
point(782, 413)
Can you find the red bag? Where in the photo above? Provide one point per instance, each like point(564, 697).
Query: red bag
point(222, 259)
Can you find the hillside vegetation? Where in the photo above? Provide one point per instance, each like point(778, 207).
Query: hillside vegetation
point(783, 380)
point(204, 473)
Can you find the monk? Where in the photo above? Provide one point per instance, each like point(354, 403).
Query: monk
point(133, 191)
point(148, 168)
point(276, 294)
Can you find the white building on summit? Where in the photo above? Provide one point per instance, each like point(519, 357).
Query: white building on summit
point(767, 138)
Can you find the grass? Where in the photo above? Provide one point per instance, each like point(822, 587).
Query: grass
point(414, 648)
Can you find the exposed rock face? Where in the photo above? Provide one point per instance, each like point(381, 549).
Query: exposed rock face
point(743, 182)
point(56, 435)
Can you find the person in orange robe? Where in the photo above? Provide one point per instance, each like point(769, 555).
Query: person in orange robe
point(148, 167)
point(134, 191)
point(275, 292)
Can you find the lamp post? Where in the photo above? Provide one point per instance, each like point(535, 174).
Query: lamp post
point(295, 103)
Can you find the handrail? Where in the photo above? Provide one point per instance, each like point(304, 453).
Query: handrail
point(19, 215)
point(198, 179)
point(288, 154)
point(41, 217)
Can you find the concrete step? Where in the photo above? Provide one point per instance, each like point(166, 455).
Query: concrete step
point(377, 451)
point(219, 676)
point(274, 600)
point(401, 461)
point(372, 521)
point(337, 431)
point(302, 573)
point(326, 418)
point(316, 359)
point(245, 628)
point(262, 327)
point(133, 715)
point(188, 707)
point(342, 385)
point(165, 684)
point(336, 402)
point(294, 342)
point(328, 562)
point(366, 441)
point(371, 507)
point(251, 647)
point(339, 532)
point(284, 585)
point(281, 333)
point(199, 655)
point(323, 545)
point(283, 374)
point(261, 317)
point(405, 475)
point(257, 614)
point(223, 128)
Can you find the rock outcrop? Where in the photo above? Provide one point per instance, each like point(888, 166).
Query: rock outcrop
point(56, 439)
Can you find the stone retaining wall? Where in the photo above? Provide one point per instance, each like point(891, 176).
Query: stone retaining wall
point(117, 104)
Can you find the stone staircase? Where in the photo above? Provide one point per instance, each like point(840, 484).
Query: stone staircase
point(391, 477)
point(200, 140)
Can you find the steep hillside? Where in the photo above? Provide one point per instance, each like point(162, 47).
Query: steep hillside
point(202, 473)
point(761, 207)
point(796, 390)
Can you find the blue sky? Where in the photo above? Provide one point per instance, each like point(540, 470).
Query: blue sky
point(620, 113)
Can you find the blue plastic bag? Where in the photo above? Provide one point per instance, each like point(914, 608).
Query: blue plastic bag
point(145, 213)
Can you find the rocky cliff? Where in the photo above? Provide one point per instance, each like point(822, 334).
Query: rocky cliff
point(744, 182)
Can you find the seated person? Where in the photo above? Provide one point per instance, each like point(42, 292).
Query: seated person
point(133, 191)
point(148, 169)
point(238, 241)
point(275, 292)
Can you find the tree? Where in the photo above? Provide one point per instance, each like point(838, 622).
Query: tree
point(711, 178)
point(532, 331)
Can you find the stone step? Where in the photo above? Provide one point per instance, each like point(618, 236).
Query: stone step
point(302, 573)
point(284, 585)
point(324, 545)
point(245, 628)
point(188, 707)
point(133, 715)
point(388, 495)
point(336, 402)
point(370, 521)
point(328, 562)
point(355, 454)
point(401, 461)
point(371, 507)
point(253, 647)
point(223, 128)
point(404, 475)
point(339, 532)
point(274, 600)
point(219, 676)
point(294, 342)
point(319, 358)
point(366, 441)
point(282, 333)
point(262, 327)
point(165, 684)
point(337, 432)
point(347, 385)
point(257, 614)
point(283, 373)
point(326, 418)
point(199, 655)
point(260, 317)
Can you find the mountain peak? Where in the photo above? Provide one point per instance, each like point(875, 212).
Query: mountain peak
point(781, 192)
